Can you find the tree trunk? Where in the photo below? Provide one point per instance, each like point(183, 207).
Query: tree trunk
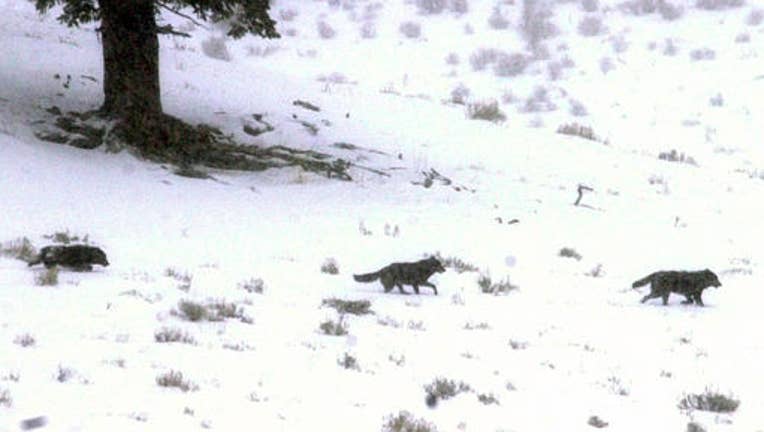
point(130, 61)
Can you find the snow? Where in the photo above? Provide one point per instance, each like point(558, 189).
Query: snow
point(583, 345)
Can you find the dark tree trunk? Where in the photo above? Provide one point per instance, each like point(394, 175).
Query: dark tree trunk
point(130, 61)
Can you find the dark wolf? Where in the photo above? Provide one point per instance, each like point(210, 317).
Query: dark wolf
point(79, 257)
point(689, 284)
point(405, 273)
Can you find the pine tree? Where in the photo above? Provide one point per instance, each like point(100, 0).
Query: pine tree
point(130, 37)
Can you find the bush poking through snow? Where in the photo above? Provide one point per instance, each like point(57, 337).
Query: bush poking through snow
point(755, 17)
point(709, 400)
point(216, 48)
point(174, 379)
point(192, 311)
point(497, 20)
point(330, 267)
point(430, 7)
point(483, 57)
point(5, 398)
point(25, 340)
point(410, 29)
point(64, 374)
point(405, 422)
point(20, 248)
point(65, 237)
point(488, 286)
point(348, 362)
point(488, 111)
point(597, 422)
point(718, 4)
point(253, 285)
point(456, 263)
point(334, 328)
point(590, 26)
point(169, 335)
point(353, 307)
point(325, 31)
point(695, 427)
point(47, 277)
point(575, 129)
point(510, 65)
point(184, 279)
point(701, 54)
point(442, 389)
point(488, 399)
point(675, 156)
point(567, 252)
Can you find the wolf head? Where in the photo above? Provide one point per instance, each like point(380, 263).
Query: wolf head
point(99, 257)
point(436, 265)
point(711, 278)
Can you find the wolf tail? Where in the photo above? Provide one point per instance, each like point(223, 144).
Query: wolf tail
point(642, 282)
point(35, 260)
point(368, 277)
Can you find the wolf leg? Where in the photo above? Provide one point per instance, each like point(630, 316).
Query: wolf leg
point(665, 297)
point(649, 296)
point(434, 288)
point(400, 288)
point(688, 300)
point(698, 300)
point(416, 288)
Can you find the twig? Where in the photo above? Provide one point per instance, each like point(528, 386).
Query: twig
point(581, 189)
point(181, 14)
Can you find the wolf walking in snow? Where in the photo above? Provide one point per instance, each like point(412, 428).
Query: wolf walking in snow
point(79, 257)
point(405, 273)
point(689, 284)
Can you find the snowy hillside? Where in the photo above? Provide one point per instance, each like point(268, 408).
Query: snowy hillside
point(673, 92)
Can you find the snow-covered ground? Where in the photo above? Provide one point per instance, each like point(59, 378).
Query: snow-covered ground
point(571, 342)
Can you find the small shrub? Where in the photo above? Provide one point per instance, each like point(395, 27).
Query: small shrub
point(410, 29)
point(497, 20)
point(483, 57)
point(477, 326)
point(674, 156)
point(287, 14)
point(253, 285)
point(590, 5)
point(348, 362)
point(510, 65)
point(459, 6)
point(488, 286)
point(442, 389)
point(330, 266)
point(456, 263)
point(669, 48)
point(169, 335)
point(430, 7)
point(590, 26)
point(517, 345)
point(452, 59)
point(536, 23)
point(538, 101)
point(743, 38)
point(353, 307)
point(48, 277)
point(25, 340)
point(488, 111)
point(718, 4)
point(575, 129)
point(64, 374)
point(184, 279)
point(577, 108)
point(405, 422)
point(65, 237)
point(638, 7)
point(174, 379)
point(567, 252)
point(755, 17)
point(216, 48)
point(325, 31)
point(670, 11)
point(596, 422)
point(695, 427)
point(488, 399)
point(701, 54)
point(596, 271)
point(460, 94)
point(221, 310)
point(334, 328)
point(717, 100)
point(606, 65)
point(20, 248)
point(368, 30)
point(5, 398)
point(192, 311)
point(709, 400)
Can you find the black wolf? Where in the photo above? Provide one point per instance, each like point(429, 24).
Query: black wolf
point(689, 284)
point(398, 274)
point(79, 257)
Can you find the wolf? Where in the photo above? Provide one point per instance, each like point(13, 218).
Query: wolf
point(689, 284)
point(408, 273)
point(79, 257)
